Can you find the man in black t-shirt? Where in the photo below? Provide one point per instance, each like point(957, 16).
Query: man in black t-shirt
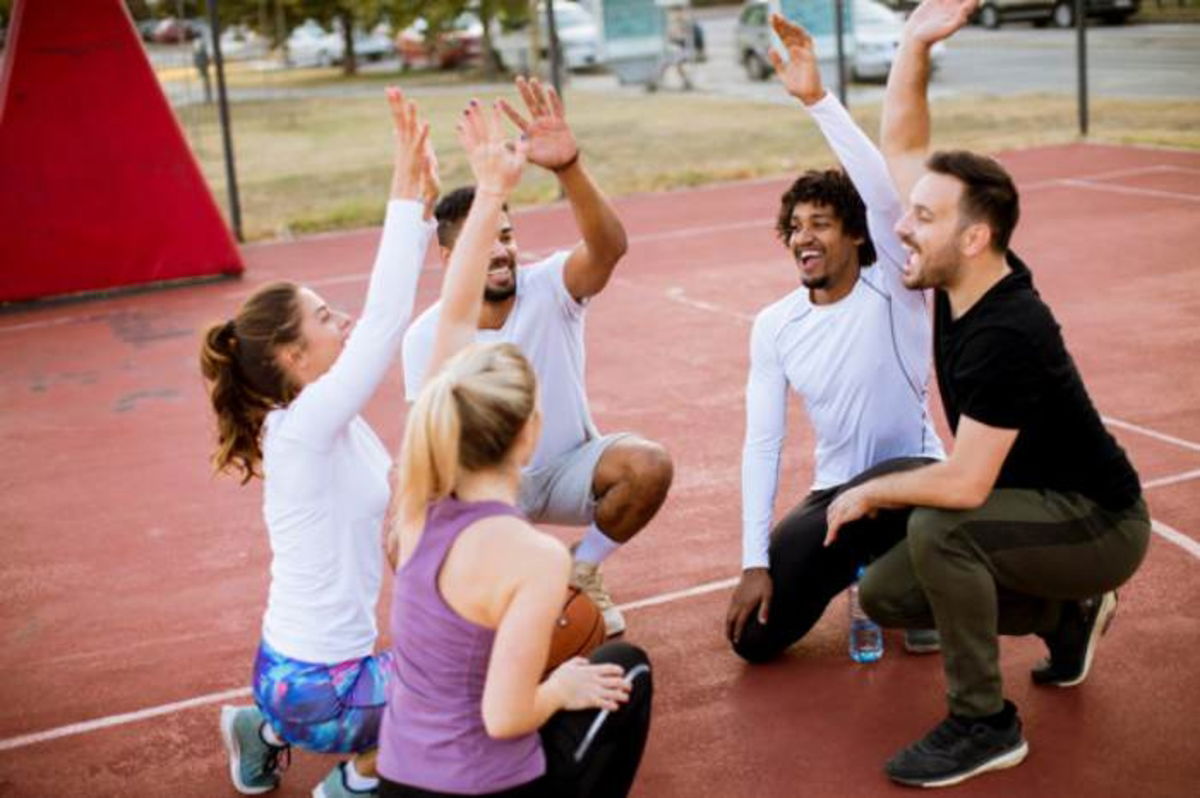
point(1037, 515)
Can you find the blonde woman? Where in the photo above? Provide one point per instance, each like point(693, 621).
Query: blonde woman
point(478, 589)
point(288, 377)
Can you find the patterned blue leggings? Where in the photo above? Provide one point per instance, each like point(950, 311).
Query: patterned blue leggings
point(333, 709)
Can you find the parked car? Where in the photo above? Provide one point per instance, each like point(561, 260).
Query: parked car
point(173, 31)
point(993, 13)
point(460, 43)
point(310, 44)
point(869, 52)
point(578, 37)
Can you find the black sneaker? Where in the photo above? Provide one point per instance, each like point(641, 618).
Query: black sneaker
point(1073, 643)
point(957, 749)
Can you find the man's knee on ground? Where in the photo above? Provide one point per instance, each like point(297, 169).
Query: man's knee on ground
point(755, 645)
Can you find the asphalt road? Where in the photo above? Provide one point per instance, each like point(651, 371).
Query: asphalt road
point(1129, 61)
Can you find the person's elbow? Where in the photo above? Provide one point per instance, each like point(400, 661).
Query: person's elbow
point(503, 724)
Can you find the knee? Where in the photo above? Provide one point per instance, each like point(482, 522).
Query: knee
point(634, 662)
point(928, 531)
point(754, 645)
point(879, 600)
point(649, 469)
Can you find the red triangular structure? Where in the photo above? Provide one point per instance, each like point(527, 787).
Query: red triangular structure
point(98, 187)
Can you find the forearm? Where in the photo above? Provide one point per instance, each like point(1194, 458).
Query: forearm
point(858, 155)
point(462, 287)
point(940, 485)
point(601, 228)
point(905, 126)
point(760, 480)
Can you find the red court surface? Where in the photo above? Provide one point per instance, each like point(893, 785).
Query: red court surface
point(133, 582)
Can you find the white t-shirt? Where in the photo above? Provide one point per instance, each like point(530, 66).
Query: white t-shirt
point(861, 365)
point(546, 324)
point(325, 485)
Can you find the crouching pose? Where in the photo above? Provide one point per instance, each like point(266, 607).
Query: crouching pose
point(478, 589)
point(854, 344)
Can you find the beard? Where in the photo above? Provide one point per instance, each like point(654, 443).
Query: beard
point(937, 268)
point(816, 282)
point(491, 294)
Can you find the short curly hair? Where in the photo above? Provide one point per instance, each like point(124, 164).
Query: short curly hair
point(833, 189)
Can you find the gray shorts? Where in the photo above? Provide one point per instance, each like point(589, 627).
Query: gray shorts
point(560, 492)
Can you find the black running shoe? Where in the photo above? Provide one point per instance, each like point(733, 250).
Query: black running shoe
point(1073, 643)
point(957, 749)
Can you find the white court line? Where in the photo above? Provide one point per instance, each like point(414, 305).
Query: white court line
point(1174, 479)
point(1175, 536)
point(120, 720)
point(675, 294)
point(1168, 533)
point(1131, 190)
point(1161, 436)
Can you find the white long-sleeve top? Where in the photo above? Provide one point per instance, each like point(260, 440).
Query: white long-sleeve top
point(325, 472)
point(861, 365)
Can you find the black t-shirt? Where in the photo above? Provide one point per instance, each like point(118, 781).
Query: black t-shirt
point(1004, 364)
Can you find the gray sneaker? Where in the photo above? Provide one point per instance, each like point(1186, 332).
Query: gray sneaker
point(922, 641)
point(254, 764)
point(334, 786)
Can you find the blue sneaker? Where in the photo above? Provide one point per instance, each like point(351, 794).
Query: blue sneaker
point(335, 786)
point(254, 764)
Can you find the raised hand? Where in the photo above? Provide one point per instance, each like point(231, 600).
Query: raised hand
point(413, 161)
point(551, 143)
point(935, 20)
point(582, 685)
point(495, 162)
point(799, 74)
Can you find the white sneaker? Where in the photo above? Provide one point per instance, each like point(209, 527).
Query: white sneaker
point(586, 576)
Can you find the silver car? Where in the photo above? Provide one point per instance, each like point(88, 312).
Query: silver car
point(869, 52)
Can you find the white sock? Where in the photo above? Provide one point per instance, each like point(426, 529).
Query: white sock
point(269, 736)
point(356, 781)
point(595, 546)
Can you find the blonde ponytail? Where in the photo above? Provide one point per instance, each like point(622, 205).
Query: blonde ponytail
point(466, 418)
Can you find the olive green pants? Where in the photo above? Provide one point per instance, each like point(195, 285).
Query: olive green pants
point(1003, 568)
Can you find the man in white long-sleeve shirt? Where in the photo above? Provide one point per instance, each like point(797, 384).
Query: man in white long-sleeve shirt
point(855, 345)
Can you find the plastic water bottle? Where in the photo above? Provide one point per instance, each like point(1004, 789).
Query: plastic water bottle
point(866, 638)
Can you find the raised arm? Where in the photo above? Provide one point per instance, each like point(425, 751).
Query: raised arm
point(329, 403)
point(859, 156)
point(552, 146)
point(766, 425)
point(904, 127)
point(497, 166)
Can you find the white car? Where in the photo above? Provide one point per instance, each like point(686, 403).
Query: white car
point(578, 37)
point(870, 52)
point(310, 44)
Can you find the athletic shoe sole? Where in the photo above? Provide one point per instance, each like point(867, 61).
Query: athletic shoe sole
point(921, 648)
point(1008, 759)
point(1104, 617)
point(228, 717)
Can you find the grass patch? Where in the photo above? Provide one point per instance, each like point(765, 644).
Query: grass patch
point(323, 163)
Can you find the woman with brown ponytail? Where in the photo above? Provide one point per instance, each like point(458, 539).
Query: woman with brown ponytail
point(288, 377)
point(478, 589)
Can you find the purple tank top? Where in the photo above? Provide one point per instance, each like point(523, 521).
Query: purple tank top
point(432, 735)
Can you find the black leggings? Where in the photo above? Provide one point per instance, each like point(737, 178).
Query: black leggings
point(610, 761)
point(806, 575)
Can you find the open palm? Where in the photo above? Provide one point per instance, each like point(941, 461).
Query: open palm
point(799, 74)
point(551, 143)
point(935, 20)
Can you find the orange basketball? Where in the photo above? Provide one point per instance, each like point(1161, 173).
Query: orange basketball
point(578, 630)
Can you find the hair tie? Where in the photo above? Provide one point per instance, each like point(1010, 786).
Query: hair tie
point(229, 332)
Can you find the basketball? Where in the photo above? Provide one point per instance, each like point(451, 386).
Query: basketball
point(578, 630)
